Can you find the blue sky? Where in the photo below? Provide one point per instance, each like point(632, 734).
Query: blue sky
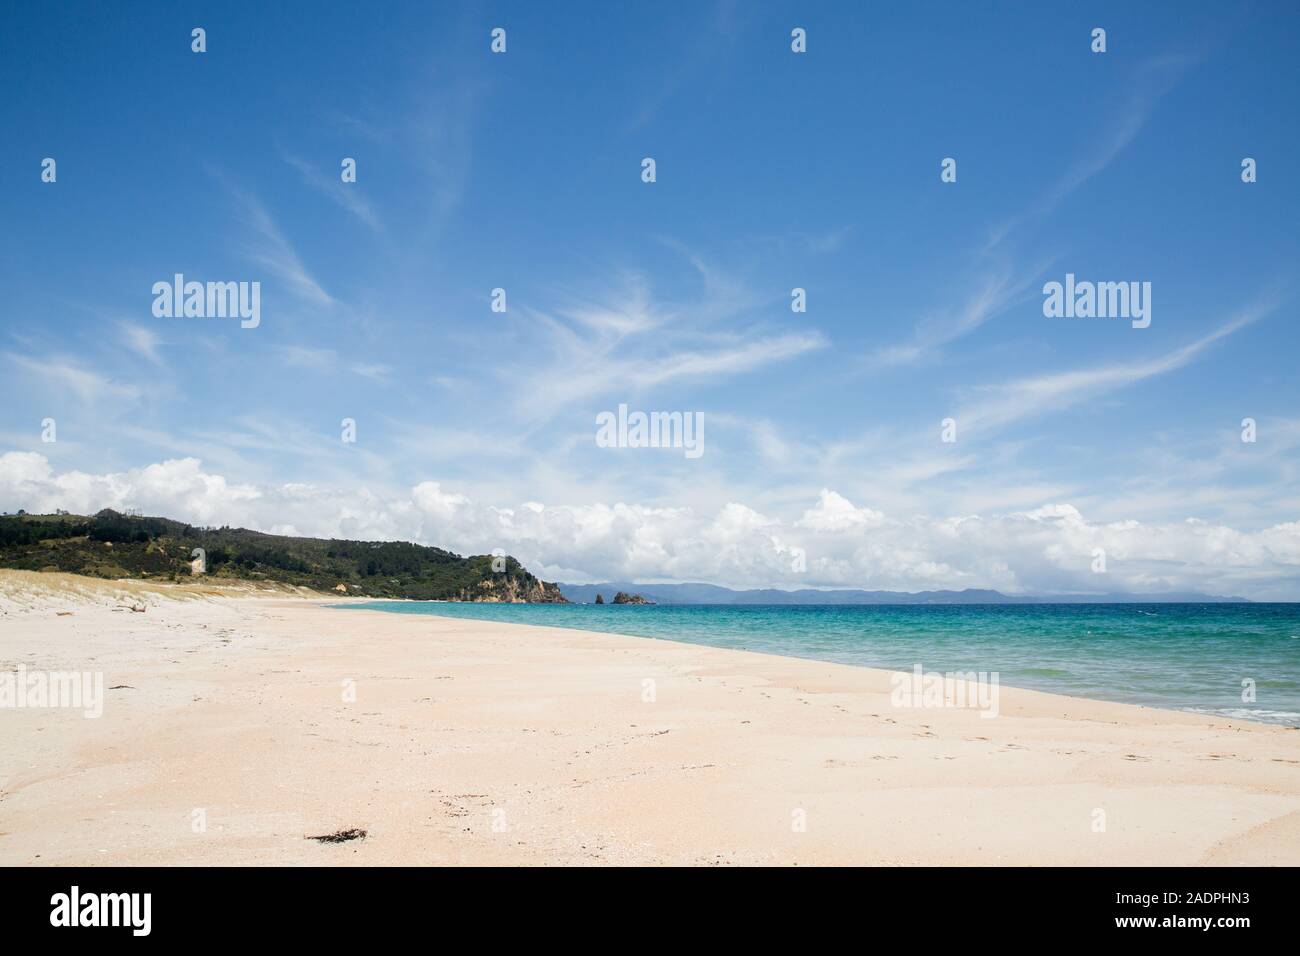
point(775, 170)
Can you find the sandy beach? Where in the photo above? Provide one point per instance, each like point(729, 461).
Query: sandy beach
point(240, 724)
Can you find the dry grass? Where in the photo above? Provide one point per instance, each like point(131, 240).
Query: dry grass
point(35, 591)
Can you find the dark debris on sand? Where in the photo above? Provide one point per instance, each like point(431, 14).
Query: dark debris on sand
point(339, 836)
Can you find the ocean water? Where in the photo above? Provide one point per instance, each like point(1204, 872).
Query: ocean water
point(1190, 657)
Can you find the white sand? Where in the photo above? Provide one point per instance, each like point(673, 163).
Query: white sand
point(473, 742)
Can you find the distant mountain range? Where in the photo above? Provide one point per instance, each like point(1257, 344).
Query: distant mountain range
point(712, 594)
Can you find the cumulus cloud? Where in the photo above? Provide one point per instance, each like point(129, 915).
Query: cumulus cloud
point(839, 543)
point(834, 512)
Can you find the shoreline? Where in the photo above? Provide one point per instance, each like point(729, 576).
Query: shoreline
point(470, 741)
point(875, 672)
point(599, 622)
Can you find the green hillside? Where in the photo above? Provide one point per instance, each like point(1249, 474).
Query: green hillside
point(113, 545)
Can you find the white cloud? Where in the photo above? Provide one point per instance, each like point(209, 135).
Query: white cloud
point(273, 251)
point(347, 195)
point(65, 375)
point(19, 467)
point(1002, 405)
point(1047, 549)
point(302, 356)
point(834, 512)
point(144, 342)
point(328, 360)
point(625, 342)
point(1153, 80)
point(935, 330)
point(276, 254)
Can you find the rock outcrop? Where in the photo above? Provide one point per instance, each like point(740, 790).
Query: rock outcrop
point(512, 589)
point(624, 598)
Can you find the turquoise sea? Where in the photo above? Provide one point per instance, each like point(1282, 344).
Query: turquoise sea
point(1190, 657)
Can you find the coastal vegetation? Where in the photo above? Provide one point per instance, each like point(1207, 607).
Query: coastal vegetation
point(114, 545)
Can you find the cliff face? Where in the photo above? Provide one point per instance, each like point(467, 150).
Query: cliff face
point(503, 589)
